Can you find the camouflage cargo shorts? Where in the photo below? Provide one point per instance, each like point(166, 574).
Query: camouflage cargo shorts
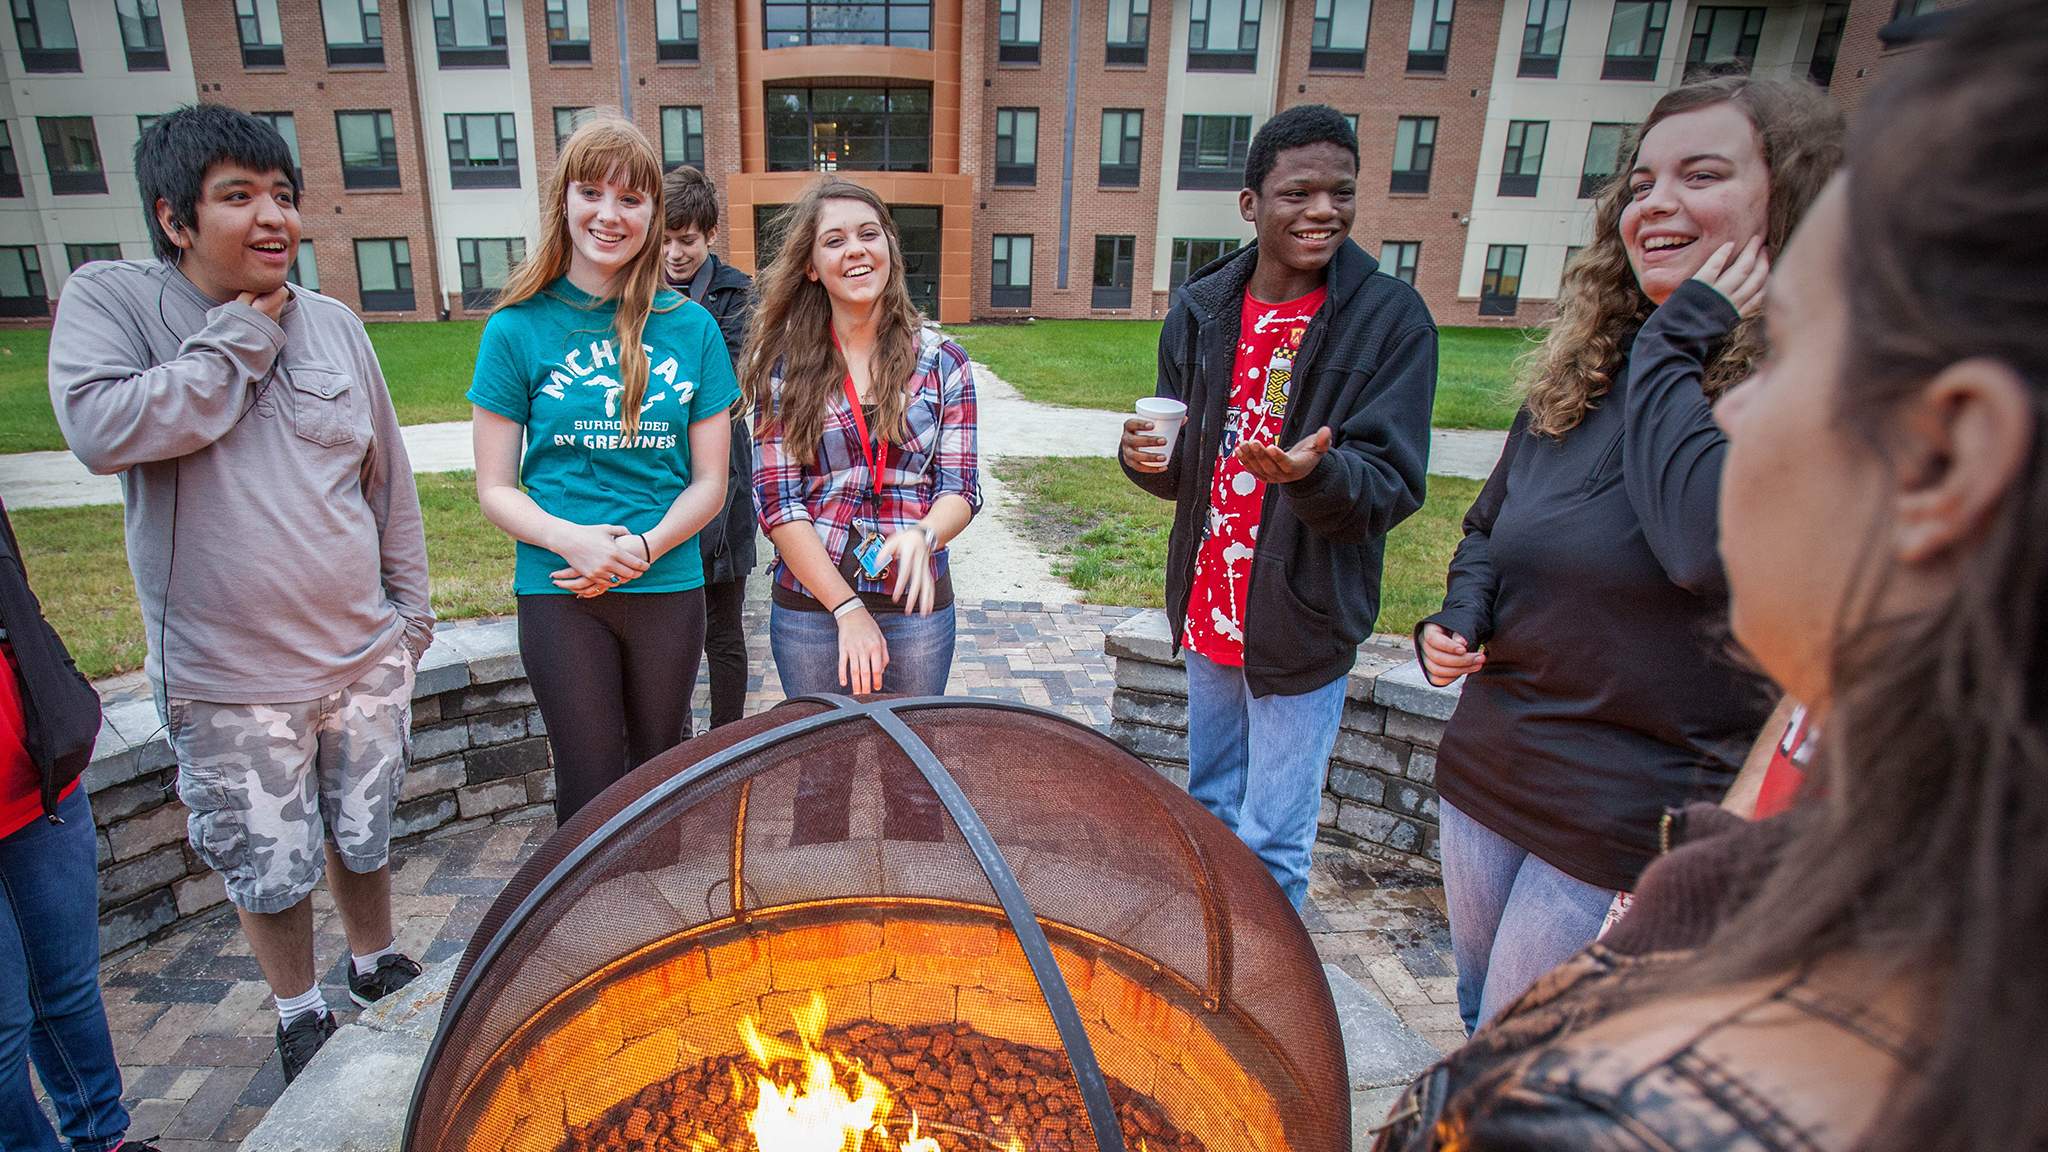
point(266, 784)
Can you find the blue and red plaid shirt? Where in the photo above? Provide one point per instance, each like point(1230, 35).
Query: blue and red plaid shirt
point(936, 457)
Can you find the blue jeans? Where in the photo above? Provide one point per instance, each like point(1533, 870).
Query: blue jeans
point(50, 1006)
point(806, 648)
point(1258, 763)
point(1513, 916)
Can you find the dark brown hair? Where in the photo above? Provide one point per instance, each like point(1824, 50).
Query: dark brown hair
point(793, 327)
point(1601, 304)
point(1925, 845)
point(689, 201)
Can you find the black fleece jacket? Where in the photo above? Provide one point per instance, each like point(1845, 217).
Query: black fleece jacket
point(727, 542)
point(1367, 370)
point(1590, 570)
point(59, 707)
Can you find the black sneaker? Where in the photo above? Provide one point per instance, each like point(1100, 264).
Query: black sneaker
point(136, 1146)
point(393, 971)
point(297, 1044)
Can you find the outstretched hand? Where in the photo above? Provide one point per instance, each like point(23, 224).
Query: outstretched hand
point(1274, 465)
point(1738, 277)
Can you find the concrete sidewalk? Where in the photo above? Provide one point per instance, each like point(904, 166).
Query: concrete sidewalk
point(1010, 425)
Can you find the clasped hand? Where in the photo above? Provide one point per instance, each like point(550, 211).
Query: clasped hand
point(601, 557)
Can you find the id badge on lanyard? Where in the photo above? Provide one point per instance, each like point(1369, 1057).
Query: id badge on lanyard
point(867, 534)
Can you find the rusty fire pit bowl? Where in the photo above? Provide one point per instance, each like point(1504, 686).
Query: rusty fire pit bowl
point(938, 924)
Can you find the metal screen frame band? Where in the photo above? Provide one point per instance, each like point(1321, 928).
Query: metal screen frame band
point(1045, 967)
point(842, 709)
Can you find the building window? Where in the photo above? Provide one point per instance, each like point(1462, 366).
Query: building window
point(1635, 38)
point(289, 129)
point(384, 275)
point(21, 283)
point(1429, 36)
point(1502, 286)
point(1523, 164)
point(355, 32)
point(675, 30)
point(142, 35)
point(568, 120)
point(262, 37)
point(485, 265)
point(1017, 31)
point(1337, 36)
point(1571, 253)
point(1212, 151)
point(1010, 276)
point(1223, 36)
point(79, 254)
point(1351, 122)
point(1724, 41)
point(10, 166)
point(794, 23)
point(1190, 256)
point(72, 150)
point(470, 33)
point(1907, 9)
point(867, 129)
point(1017, 147)
point(1130, 30)
point(1414, 154)
point(369, 149)
point(304, 272)
point(1398, 259)
point(1123, 143)
point(1113, 258)
point(48, 42)
point(483, 150)
point(1828, 44)
point(568, 31)
point(1603, 158)
point(1543, 38)
point(682, 138)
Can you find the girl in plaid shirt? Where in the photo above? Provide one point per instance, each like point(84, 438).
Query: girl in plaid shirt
point(864, 454)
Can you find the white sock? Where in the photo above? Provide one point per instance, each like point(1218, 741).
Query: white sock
point(289, 1009)
point(368, 964)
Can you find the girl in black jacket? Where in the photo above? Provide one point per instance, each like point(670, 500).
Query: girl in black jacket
point(1585, 602)
point(50, 1008)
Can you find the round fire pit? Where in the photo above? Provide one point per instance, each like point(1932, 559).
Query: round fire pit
point(901, 925)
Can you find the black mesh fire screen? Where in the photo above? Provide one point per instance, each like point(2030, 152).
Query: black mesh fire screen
point(802, 932)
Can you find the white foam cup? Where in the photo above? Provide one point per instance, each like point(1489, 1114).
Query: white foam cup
point(1166, 416)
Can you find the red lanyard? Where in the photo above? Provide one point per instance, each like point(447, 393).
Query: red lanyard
point(875, 452)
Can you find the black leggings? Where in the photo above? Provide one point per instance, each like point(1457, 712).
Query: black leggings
point(725, 642)
point(613, 676)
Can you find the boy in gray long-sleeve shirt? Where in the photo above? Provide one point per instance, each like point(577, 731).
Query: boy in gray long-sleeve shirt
point(275, 536)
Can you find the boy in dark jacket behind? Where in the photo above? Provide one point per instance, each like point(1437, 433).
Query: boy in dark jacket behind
point(1308, 377)
point(690, 210)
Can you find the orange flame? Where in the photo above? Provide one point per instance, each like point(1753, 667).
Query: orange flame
point(816, 1111)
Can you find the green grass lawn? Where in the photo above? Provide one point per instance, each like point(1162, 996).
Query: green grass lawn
point(1113, 536)
point(427, 366)
point(80, 570)
point(1110, 363)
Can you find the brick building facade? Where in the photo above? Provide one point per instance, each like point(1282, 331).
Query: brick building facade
point(1010, 204)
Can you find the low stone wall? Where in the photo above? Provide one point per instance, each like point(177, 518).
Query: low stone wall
point(479, 754)
point(1380, 794)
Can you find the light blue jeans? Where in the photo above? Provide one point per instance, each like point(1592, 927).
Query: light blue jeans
point(1258, 763)
point(806, 648)
point(1513, 916)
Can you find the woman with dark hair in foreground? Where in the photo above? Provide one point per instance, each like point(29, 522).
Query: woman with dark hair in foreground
point(1866, 971)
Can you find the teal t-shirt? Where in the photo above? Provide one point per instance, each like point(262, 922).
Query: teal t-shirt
point(551, 363)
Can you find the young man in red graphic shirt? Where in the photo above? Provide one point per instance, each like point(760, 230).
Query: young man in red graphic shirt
point(1308, 375)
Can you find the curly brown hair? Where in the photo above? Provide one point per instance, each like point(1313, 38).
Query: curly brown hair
point(1601, 304)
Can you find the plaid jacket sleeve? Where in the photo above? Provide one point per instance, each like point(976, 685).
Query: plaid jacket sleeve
point(955, 462)
point(778, 478)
